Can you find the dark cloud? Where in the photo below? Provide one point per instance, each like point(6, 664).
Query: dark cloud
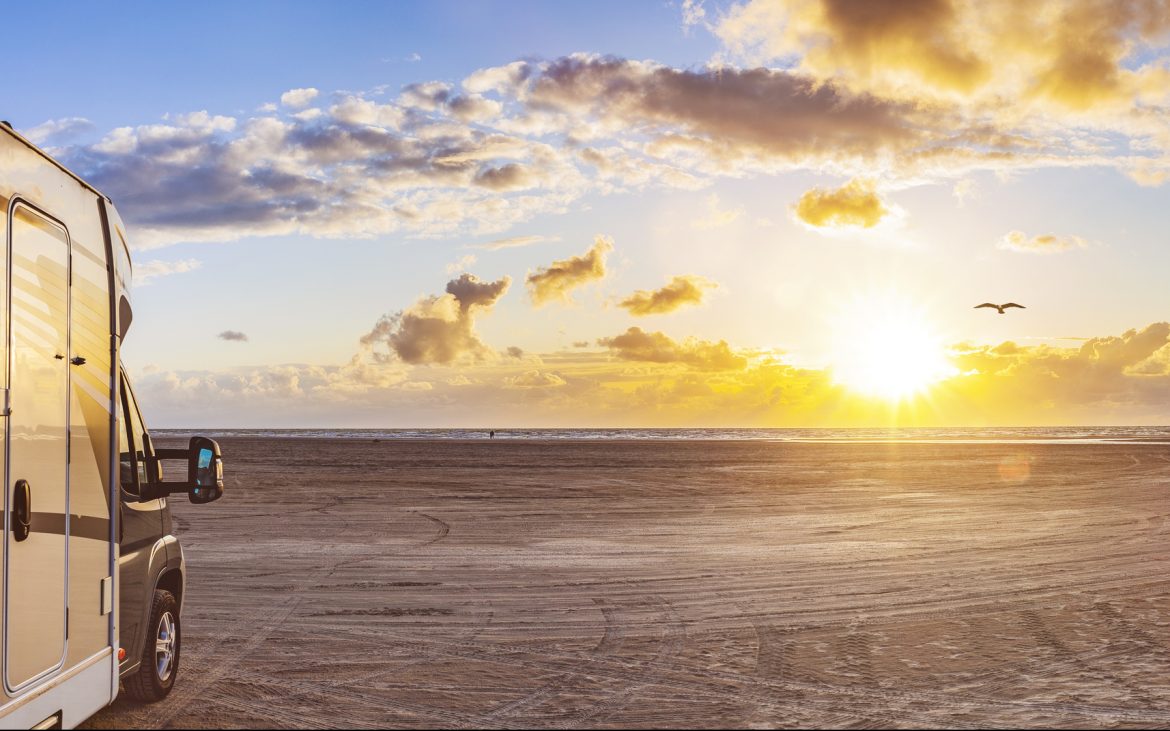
point(440, 329)
point(233, 335)
point(731, 113)
point(506, 177)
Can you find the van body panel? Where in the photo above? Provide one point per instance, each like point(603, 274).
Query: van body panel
point(77, 696)
point(140, 569)
point(57, 437)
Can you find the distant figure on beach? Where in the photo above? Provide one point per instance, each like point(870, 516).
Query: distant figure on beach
point(1000, 307)
point(492, 434)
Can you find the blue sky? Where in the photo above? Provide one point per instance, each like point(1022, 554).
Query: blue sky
point(130, 62)
point(768, 172)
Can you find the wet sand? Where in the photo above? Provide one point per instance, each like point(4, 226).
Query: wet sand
point(348, 583)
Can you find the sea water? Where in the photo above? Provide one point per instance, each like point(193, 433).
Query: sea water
point(1030, 434)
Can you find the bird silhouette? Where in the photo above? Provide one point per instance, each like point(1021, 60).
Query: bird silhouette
point(1002, 307)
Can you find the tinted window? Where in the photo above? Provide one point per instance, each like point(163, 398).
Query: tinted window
point(138, 434)
point(127, 467)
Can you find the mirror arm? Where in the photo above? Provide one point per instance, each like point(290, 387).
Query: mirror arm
point(212, 486)
point(165, 489)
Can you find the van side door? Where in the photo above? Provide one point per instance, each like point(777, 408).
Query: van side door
point(37, 443)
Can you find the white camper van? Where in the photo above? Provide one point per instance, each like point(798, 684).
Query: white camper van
point(92, 577)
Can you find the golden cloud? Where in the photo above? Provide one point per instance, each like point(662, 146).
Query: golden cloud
point(534, 379)
point(856, 204)
point(1104, 376)
point(1076, 54)
point(1041, 244)
point(440, 329)
point(556, 281)
point(1111, 379)
point(657, 347)
point(686, 289)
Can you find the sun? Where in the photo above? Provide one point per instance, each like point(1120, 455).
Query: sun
point(885, 347)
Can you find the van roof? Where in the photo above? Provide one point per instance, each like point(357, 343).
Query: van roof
point(7, 127)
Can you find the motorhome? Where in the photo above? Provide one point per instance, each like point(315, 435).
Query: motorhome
point(93, 579)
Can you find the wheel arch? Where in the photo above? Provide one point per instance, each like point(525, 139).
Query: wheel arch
point(171, 579)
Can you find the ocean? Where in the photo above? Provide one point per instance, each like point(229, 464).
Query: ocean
point(1024, 435)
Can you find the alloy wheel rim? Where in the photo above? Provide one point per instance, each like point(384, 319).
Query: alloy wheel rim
point(164, 647)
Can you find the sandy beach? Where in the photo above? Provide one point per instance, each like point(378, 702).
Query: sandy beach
point(354, 583)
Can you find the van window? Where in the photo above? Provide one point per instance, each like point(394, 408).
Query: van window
point(140, 458)
point(127, 464)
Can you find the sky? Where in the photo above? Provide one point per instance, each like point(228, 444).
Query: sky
point(744, 213)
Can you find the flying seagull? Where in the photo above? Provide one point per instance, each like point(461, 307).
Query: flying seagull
point(1002, 307)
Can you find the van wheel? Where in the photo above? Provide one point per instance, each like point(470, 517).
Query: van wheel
point(160, 657)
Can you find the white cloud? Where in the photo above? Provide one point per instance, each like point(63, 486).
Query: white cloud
point(57, 131)
point(693, 13)
point(147, 271)
point(462, 264)
point(298, 98)
point(717, 216)
point(516, 241)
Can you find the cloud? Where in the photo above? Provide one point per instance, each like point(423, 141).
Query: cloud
point(58, 131)
point(964, 190)
point(298, 98)
point(693, 13)
point(441, 329)
point(729, 115)
point(233, 336)
point(516, 241)
point(1041, 244)
point(556, 281)
point(463, 263)
point(531, 138)
point(649, 379)
point(534, 379)
point(356, 169)
point(148, 270)
point(506, 177)
point(656, 347)
point(1073, 53)
point(855, 204)
point(1105, 375)
point(686, 289)
point(417, 386)
point(717, 217)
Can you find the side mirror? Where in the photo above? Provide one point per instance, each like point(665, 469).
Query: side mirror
point(204, 470)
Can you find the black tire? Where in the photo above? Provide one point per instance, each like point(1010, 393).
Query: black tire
point(153, 680)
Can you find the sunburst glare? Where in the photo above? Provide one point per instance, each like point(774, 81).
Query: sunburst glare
point(886, 347)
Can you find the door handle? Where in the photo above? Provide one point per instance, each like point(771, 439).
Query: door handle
point(21, 510)
point(78, 360)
